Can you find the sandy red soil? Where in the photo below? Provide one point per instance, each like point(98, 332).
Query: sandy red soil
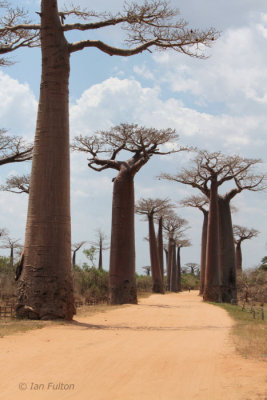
point(171, 347)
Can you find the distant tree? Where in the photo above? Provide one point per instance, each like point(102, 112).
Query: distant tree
point(180, 243)
point(151, 208)
point(17, 184)
point(174, 227)
point(101, 245)
point(193, 268)
point(147, 269)
point(75, 248)
point(242, 233)
point(202, 203)
point(13, 149)
point(142, 143)
point(11, 244)
point(209, 172)
point(90, 255)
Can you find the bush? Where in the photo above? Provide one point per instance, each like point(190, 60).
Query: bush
point(89, 282)
point(143, 283)
point(190, 281)
point(7, 279)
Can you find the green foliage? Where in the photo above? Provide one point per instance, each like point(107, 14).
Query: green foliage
point(90, 282)
point(263, 265)
point(190, 281)
point(90, 254)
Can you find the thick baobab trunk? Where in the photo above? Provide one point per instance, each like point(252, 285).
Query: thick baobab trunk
point(169, 262)
point(160, 247)
point(122, 281)
point(179, 277)
point(100, 262)
point(45, 289)
point(203, 251)
point(226, 252)
point(238, 257)
point(173, 280)
point(212, 290)
point(166, 256)
point(154, 258)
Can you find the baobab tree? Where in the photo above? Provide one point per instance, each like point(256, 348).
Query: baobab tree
point(17, 184)
point(45, 289)
point(101, 245)
point(174, 227)
point(11, 244)
point(202, 203)
point(142, 143)
point(75, 248)
point(209, 172)
point(180, 242)
point(151, 208)
point(242, 233)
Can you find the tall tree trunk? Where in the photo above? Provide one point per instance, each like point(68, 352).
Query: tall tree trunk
point(179, 277)
point(226, 252)
point(74, 258)
point(154, 258)
point(122, 281)
point(203, 251)
point(160, 247)
point(169, 263)
point(12, 256)
point(45, 289)
point(238, 257)
point(166, 256)
point(100, 263)
point(173, 280)
point(212, 290)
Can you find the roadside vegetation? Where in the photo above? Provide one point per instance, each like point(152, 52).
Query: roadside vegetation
point(250, 315)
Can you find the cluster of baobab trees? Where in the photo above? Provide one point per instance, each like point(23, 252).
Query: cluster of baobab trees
point(45, 288)
point(218, 257)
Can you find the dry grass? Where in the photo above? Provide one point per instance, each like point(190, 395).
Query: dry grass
point(10, 326)
point(249, 335)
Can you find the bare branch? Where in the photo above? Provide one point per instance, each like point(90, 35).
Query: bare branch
point(17, 184)
point(13, 149)
point(242, 233)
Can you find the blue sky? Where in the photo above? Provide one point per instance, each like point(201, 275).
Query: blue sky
point(218, 104)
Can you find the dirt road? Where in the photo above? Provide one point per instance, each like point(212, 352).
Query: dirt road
point(171, 347)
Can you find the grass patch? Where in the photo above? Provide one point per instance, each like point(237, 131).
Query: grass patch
point(249, 334)
point(10, 326)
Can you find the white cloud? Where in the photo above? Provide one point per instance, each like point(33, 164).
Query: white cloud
point(18, 107)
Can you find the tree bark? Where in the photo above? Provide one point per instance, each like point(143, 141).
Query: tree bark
point(74, 258)
point(45, 289)
point(160, 247)
point(100, 262)
point(12, 256)
point(226, 252)
point(203, 251)
point(212, 290)
point(122, 280)
point(173, 279)
point(179, 278)
point(154, 258)
point(238, 257)
point(169, 263)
